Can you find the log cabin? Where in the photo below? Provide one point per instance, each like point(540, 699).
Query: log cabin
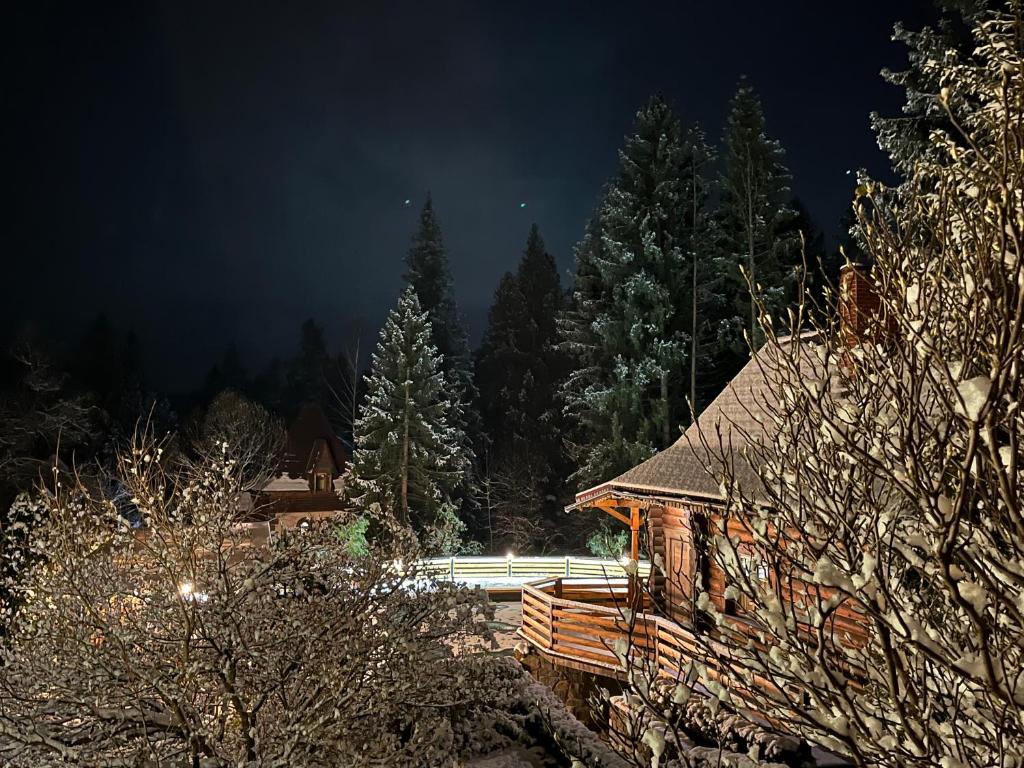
point(310, 483)
point(672, 501)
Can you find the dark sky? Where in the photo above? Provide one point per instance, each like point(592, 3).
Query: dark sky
point(212, 171)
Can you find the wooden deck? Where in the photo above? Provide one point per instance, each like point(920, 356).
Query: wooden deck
point(583, 624)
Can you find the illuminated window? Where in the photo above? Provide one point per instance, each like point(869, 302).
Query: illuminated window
point(321, 482)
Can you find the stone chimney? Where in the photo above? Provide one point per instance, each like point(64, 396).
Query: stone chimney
point(859, 306)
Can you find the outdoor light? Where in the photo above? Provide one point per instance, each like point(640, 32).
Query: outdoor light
point(510, 555)
point(188, 592)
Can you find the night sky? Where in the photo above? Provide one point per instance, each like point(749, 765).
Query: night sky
point(206, 172)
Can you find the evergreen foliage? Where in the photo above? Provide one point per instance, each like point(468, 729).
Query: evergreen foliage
point(905, 138)
point(429, 276)
point(758, 245)
point(410, 452)
point(628, 324)
point(519, 370)
point(305, 380)
point(519, 366)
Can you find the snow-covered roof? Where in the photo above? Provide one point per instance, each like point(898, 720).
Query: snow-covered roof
point(286, 483)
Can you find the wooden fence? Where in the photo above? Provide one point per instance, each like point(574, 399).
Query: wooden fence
point(583, 622)
point(468, 568)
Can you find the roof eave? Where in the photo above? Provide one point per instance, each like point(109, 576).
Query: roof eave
point(587, 499)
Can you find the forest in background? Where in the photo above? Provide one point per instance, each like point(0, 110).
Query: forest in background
point(573, 382)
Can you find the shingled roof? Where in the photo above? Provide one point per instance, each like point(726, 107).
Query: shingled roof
point(685, 468)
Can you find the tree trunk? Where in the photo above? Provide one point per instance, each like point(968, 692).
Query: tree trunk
point(405, 459)
point(666, 427)
point(750, 253)
point(693, 329)
point(354, 405)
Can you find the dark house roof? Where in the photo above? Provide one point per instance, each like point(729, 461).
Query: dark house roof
point(312, 444)
point(728, 424)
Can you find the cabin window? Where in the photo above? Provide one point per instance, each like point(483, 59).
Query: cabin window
point(321, 482)
point(754, 568)
point(756, 572)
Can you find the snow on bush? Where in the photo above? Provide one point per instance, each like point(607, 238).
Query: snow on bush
point(894, 487)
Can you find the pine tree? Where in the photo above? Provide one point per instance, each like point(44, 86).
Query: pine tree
point(306, 377)
point(226, 373)
point(501, 367)
point(906, 138)
point(410, 454)
point(520, 366)
point(698, 233)
point(631, 307)
point(428, 274)
point(586, 424)
point(757, 243)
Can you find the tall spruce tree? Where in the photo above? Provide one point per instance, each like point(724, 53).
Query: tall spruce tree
point(705, 302)
point(758, 246)
point(501, 368)
point(631, 307)
point(306, 377)
point(410, 453)
point(428, 274)
point(587, 425)
point(520, 365)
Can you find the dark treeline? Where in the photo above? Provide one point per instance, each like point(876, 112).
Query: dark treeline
point(572, 383)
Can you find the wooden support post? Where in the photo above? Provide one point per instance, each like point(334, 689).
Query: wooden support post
point(633, 593)
point(551, 625)
point(634, 529)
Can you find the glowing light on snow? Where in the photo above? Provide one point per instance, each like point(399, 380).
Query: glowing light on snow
point(188, 592)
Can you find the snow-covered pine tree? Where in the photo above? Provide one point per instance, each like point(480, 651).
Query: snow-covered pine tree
point(905, 137)
point(632, 306)
point(755, 242)
point(428, 274)
point(410, 452)
point(585, 422)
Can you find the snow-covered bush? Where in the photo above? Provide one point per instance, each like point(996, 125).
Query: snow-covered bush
point(894, 487)
point(181, 642)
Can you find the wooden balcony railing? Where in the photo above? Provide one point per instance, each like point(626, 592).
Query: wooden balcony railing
point(582, 619)
point(583, 624)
